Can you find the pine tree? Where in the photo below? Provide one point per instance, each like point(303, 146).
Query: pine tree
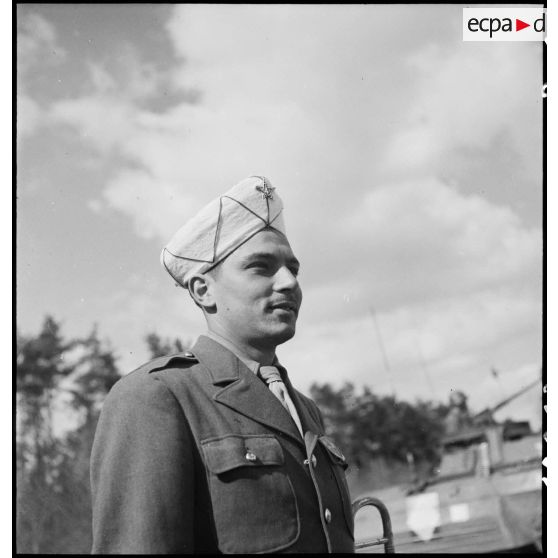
point(40, 369)
point(162, 347)
point(53, 494)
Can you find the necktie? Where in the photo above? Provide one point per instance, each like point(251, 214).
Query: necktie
point(272, 378)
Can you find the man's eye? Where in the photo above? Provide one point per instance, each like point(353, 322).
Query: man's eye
point(258, 265)
point(294, 270)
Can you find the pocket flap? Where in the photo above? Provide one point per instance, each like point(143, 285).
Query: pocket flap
point(334, 452)
point(231, 452)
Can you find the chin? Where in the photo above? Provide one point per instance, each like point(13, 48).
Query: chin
point(284, 335)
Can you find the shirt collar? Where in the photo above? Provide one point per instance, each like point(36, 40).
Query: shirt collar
point(253, 365)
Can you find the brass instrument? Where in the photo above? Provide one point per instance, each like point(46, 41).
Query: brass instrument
point(387, 537)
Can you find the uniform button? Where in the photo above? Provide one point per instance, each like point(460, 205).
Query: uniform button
point(314, 461)
point(327, 515)
point(250, 456)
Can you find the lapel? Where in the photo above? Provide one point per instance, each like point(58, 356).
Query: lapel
point(309, 423)
point(241, 390)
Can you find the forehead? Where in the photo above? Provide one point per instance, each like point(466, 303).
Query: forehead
point(268, 242)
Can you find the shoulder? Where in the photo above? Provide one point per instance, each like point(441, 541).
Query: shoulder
point(142, 411)
point(146, 378)
point(179, 361)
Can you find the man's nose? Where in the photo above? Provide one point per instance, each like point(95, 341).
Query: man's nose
point(285, 279)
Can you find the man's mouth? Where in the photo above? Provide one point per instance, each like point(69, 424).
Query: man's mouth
point(285, 305)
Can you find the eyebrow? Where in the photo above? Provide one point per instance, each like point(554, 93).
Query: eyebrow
point(268, 256)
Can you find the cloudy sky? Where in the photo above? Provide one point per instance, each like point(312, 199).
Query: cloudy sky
point(409, 163)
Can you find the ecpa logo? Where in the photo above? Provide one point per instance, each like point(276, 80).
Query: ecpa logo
point(504, 24)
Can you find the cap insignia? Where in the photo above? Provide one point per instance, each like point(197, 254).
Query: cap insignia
point(266, 190)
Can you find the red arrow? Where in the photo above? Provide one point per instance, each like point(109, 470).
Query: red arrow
point(519, 25)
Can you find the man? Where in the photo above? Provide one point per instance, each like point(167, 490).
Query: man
point(214, 450)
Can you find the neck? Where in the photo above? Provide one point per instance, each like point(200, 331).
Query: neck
point(263, 355)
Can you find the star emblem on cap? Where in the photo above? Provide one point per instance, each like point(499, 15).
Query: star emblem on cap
point(266, 190)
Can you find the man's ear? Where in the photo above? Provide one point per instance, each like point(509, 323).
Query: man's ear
point(201, 290)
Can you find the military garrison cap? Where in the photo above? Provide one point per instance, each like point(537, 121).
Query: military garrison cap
point(221, 227)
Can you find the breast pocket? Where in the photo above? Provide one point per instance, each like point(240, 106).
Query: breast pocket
point(339, 465)
point(254, 503)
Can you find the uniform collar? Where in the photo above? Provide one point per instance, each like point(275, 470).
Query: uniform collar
point(223, 365)
point(244, 392)
point(252, 365)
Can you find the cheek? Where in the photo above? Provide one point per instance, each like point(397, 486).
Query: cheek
point(246, 297)
point(243, 305)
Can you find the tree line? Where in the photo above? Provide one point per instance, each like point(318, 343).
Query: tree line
point(60, 387)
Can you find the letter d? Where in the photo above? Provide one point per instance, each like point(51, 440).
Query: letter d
point(541, 20)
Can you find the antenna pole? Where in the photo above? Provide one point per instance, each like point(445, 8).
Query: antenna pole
point(425, 369)
point(496, 376)
point(422, 360)
point(382, 349)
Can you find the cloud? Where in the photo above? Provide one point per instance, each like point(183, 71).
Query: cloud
point(110, 116)
point(317, 134)
point(103, 121)
point(466, 98)
point(159, 208)
point(462, 241)
point(448, 344)
point(418, 241)
point(127, 75)
point(37, 46)
point(37, 39)
point(390, 161)
point(261, 108)
point(28, 117)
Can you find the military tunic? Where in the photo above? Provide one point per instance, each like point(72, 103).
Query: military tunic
point(194, 454)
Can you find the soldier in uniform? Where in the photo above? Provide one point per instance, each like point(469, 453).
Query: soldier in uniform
point(214, 450)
